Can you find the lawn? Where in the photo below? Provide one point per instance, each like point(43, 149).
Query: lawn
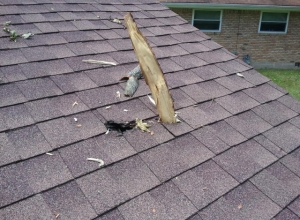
point(287, 79)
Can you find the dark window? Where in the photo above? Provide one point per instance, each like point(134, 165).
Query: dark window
point(273, 22)
point(209, 21)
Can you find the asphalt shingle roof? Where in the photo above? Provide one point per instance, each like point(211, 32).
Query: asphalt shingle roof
point(235, 155)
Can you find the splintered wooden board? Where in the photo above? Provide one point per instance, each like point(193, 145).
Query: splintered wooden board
point(152, 72)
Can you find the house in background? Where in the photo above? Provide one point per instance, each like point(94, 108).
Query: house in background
point(265, 33)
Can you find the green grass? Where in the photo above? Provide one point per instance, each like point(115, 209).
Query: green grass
point(287, 79)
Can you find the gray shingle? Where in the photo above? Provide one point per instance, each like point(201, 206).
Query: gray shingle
point(286, 136)
point(8, 152)
point(13, 185)
point(286, 214)
point(237, 102)
point(170, 159)
point(292, 161)
point(16, 116)
point(28, 142)
point(245, 160)
point(38, 88)
point(164, 202)
point(69, 201)
point(45, 171)
point(295, 206)
point(143, 140)
point(244, 202)
point(205, 183)
point(10, 94)
point(59, 132)
point(31, 208)
point(278, 183)
point(73, 82)
point(117, 183)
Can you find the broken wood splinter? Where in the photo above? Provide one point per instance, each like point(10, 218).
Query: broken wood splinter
point(101, 162)
point(100, 62)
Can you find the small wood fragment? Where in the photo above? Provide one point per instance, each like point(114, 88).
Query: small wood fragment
point(142, 125)
point(101, 162)
point(240, 75)
point(78, 125)
point(99, 62)
point(118, 94)
point(75, 103)
point(151, 100)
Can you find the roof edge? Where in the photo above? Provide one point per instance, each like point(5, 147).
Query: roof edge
point(231, 6)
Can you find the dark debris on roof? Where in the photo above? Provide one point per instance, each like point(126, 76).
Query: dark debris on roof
point(235, 155)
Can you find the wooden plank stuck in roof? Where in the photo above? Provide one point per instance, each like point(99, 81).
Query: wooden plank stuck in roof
point(152, 72)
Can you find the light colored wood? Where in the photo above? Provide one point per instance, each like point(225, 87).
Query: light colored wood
point(152, 72)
